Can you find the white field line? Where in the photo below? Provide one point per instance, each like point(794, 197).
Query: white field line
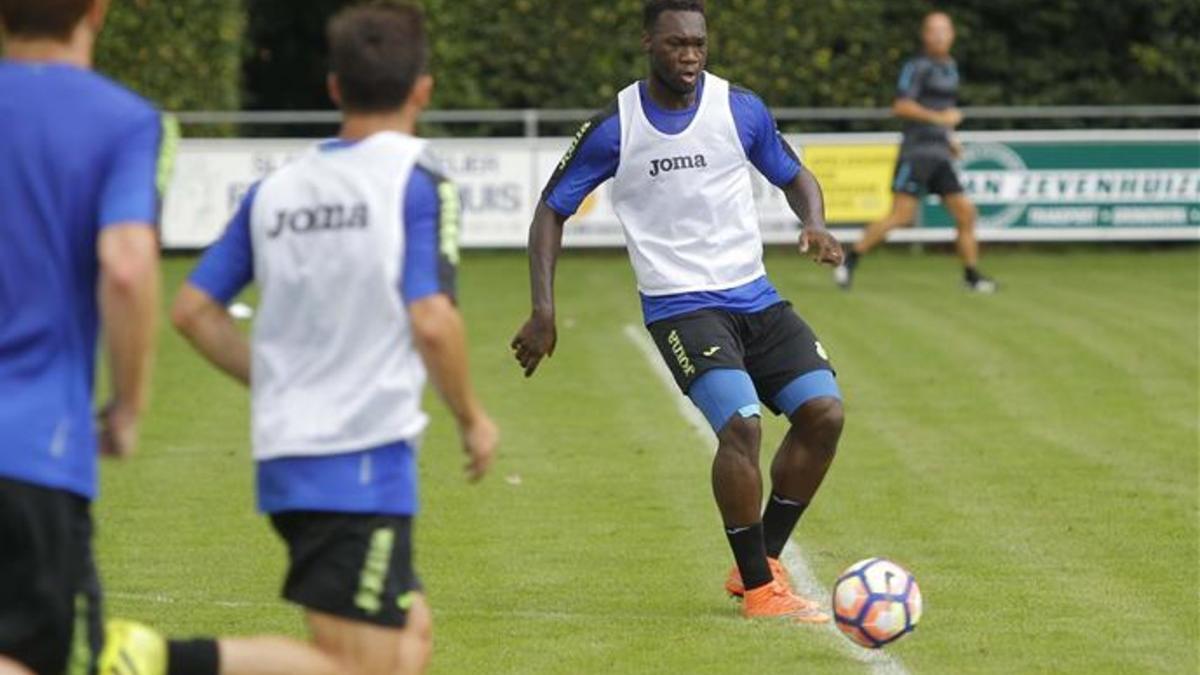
point(878, 661)
point(164, 599)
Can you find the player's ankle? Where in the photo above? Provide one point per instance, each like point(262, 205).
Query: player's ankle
point(193, 657)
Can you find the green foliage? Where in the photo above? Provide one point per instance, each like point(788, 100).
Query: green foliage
point(183, 54)
point(578, 53)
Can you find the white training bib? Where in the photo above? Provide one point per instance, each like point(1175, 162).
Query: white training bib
point(334, 365)
point(686, 201)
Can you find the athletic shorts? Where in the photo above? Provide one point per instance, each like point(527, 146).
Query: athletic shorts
point(772, 355)
point(926, 175)
point(50, 609)
point(353, 566)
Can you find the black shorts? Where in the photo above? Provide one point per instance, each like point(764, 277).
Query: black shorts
point(50, 608)
point(926, 175)
point(352, 566)
point(775, 346)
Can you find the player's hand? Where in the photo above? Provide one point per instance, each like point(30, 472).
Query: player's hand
point(956, 147)
point(950, 118)
point(118, 431)
point(536, 340)
point(480, 439)
point(820, 245)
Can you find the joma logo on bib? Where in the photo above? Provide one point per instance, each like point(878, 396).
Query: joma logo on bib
point(680, 163)
point(320, 218)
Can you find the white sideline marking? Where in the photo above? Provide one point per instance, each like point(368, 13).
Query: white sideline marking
point(879, 661)
point(164, 599)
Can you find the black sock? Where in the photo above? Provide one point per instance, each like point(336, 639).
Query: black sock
point(192, 657)
point(751, 556)
point(970, 274)
point(851, 258)
point(779, 519)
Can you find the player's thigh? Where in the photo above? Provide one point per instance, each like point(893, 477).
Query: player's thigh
point(368, 649)
point(787, 361)
point(693, 344)
point(354, 576)
point(961, 208)
point(8, 667)
point(48, 582)
point(943, 181)
point(904, 209)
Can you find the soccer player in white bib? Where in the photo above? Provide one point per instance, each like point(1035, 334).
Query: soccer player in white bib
point(353, 247)
point(679, 147)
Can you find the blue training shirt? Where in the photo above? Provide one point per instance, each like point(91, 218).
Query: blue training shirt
point(78, 154)
point(597, 154)
point(381, 480)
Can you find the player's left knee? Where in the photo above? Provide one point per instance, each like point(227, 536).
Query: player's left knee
point(820, 421)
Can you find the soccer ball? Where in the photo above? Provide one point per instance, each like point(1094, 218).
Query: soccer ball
point(876, 602)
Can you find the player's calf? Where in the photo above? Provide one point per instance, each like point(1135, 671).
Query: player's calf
point(366, 649)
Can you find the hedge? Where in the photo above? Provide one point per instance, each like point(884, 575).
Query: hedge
point(577, 53)
point(190, 54)
point(183, 54)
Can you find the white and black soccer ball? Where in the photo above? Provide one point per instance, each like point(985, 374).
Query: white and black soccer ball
point(876, 602)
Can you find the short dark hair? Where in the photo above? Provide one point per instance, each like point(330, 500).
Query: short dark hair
point(377, 51)
point(655, 8)
point(42, 18)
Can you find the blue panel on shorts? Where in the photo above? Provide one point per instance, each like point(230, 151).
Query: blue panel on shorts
point(721, 394)
point(817, 384)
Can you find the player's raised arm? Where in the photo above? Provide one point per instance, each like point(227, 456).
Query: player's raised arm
point(770, 153)
point(808, 203)
point(909, 109)
point(592, 159)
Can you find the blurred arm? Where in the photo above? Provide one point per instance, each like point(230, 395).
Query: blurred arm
point(440, 335)
point(208, 326)
point(199, 311)
point(129, 300)
point(806, 200)
point(909, 109)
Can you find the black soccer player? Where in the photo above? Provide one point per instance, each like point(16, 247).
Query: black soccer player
point(926, 99)
point(679, 146)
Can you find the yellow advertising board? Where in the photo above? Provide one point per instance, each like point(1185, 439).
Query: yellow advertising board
point(857, 180)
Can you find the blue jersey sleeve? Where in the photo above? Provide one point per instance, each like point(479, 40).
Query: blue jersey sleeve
point(432, 214)
point(228, 265)
point(764, 145)
point(592, 159)
point(912, 78)
point(138, 172)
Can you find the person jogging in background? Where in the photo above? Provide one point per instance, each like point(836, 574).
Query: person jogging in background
point(926, 99)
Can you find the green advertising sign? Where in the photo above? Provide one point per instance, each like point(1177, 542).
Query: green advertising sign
point(1150, 184)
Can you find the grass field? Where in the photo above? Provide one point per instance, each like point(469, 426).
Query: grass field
point(1032, 457)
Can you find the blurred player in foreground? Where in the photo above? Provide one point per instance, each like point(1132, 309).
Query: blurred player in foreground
point(354, 248)
point(926, 99)
point(82, 161)
point(679, 146)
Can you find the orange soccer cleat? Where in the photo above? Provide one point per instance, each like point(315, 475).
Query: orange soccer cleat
point(777, 600)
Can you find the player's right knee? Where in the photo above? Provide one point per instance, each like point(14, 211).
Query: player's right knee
point(741, 435)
